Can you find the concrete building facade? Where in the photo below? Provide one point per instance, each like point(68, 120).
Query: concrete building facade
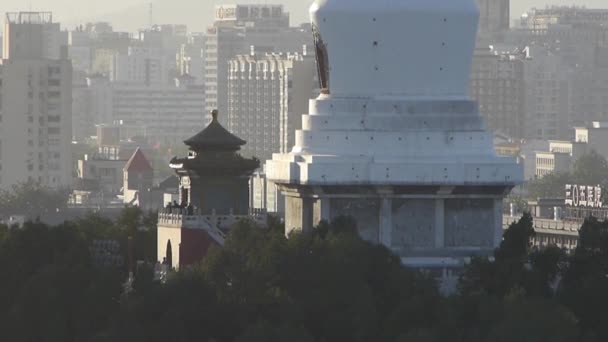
point(165, 114)
point(236, 29)
point(35, 107)
point(266, 98)
point(498, 86)
point(141, 65)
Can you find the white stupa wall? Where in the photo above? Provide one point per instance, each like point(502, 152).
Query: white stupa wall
point(413, 48)
point(394, 140)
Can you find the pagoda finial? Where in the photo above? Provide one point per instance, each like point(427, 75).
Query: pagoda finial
point(214, 114)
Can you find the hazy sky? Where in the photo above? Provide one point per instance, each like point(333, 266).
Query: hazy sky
point(129, 14)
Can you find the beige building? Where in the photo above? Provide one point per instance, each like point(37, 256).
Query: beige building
point(140, 65)
point(236, 29)
point(106, 174)
point(560, 158)
point(267, 96)
point(35, 106)
point(552, 162)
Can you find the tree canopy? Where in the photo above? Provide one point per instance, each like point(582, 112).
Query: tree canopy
point(32, 200)
point(329, 285)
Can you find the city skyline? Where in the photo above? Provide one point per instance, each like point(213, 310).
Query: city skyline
point(131, 15)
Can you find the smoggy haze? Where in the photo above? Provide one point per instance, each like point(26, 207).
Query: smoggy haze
point(133, 14)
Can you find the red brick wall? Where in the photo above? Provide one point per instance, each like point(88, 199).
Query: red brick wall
point(194, 247)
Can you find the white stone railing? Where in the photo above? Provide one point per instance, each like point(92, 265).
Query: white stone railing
point(559, 227)
point(213, 224)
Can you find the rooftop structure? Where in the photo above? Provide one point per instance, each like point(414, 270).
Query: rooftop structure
point(236, 29)
point(33, 35)
point(29, 17)
point(267, 95)
point(35, 102)
point(541, 19)
point(266, 13)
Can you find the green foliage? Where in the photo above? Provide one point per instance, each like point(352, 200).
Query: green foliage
point(268, 332)
point(141, 227)
point(586, 280)
point(516, 240)
point(533, 320)
point(591, 169)
point(32, 200)
point(325, 286)
point(552, 185)
point(263, 286)
point(3, 232)
point(498, 278)
point(51, 291)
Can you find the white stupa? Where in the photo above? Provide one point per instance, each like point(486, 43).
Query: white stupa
point(394, 140)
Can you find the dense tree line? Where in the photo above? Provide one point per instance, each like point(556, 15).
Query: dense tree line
point(32, 200)
point(325, 286)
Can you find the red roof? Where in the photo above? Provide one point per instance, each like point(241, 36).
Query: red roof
point(138, 162)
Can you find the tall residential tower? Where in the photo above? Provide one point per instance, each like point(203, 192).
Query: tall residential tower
point(35, 103)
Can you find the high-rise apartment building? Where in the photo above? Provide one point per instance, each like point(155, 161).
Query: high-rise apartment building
point(32, 35)
point(142, 65)
point(589, 95)
point(93, 46)
point(266, 98)
point(35, 104)
point(167, 114)
point(494, 16)
point(548, 96)
point(567, 77)
point(580, 34)
point(236, 30)
point(497, 84)
point(162, 113)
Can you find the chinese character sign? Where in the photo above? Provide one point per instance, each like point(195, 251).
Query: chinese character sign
point(583, 196)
